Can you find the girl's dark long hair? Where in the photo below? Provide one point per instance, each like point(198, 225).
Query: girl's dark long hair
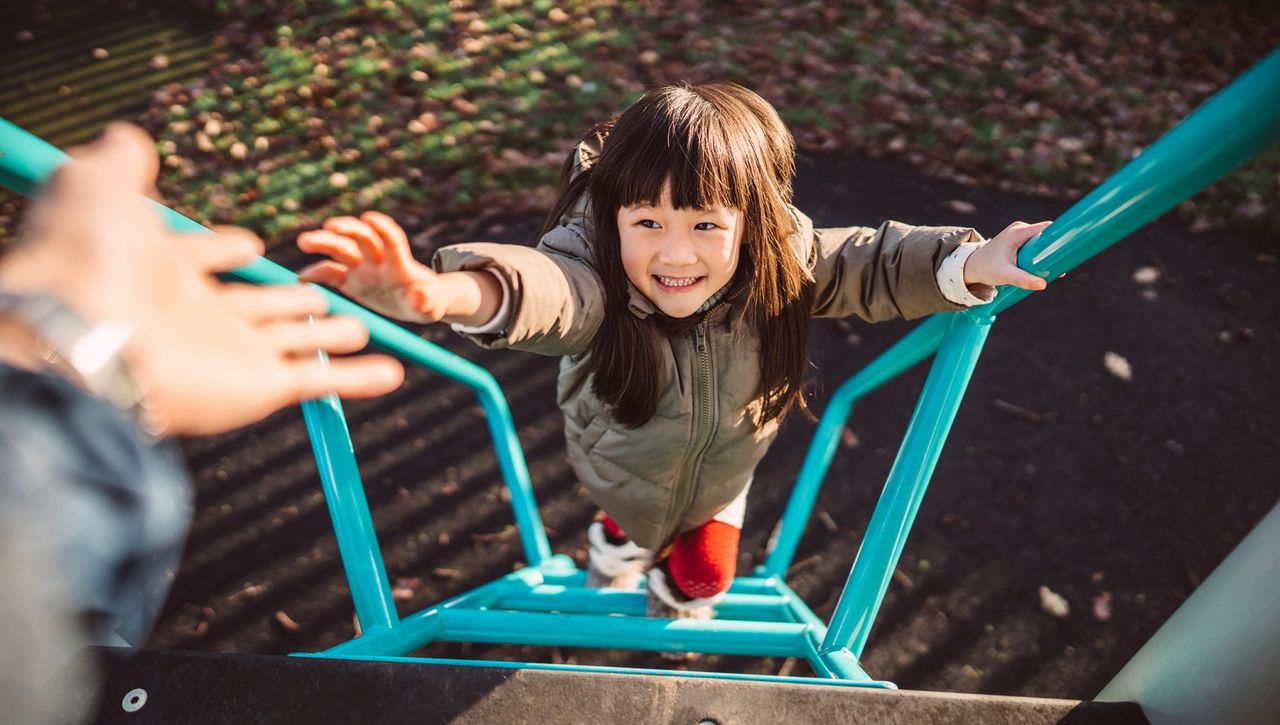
point(715, 144)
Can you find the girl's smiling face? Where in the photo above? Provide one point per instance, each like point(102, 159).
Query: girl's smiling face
point(679, 258)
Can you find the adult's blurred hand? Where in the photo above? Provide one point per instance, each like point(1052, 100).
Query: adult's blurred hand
point(211, 355)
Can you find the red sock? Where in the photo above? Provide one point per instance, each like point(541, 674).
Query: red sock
point(704, 560)
point(612, 531)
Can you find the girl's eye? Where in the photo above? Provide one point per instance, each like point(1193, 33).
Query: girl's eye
point(648, 224)
point(705, 226)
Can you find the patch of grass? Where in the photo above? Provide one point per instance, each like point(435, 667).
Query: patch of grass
point(425, 108)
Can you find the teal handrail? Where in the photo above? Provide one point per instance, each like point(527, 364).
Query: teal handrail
point(1238, 123)
point(27, 161)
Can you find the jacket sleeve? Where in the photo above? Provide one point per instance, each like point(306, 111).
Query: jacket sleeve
point(556, 300)
point(881, 274)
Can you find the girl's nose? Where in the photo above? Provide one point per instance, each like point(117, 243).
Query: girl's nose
point(676, 249)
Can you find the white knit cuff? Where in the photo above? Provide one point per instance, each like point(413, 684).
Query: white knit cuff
point(951, 279)
point(500, 319)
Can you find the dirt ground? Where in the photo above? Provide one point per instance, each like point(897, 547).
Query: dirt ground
point(1102, 490)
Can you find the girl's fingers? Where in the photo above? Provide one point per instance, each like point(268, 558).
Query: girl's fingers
point(339, 335)
point(326, 273)
point(1021, 278)
point(366, 238)
point(1026, 233)
point(268, 304)
point(226, 249)
point(321, 241)
point(394, 241)
point(365, 376)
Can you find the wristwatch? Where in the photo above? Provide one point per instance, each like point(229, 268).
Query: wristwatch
point(89, 353)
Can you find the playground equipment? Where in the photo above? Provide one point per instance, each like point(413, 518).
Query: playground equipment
point(545, 603)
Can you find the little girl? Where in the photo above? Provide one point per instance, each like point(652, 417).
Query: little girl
point(677, 282)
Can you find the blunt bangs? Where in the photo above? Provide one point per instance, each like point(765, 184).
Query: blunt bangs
point(707, 154)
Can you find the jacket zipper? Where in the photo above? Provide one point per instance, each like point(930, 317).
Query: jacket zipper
point(704, 426)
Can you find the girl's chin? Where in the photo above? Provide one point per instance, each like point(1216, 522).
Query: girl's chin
point(678, 311)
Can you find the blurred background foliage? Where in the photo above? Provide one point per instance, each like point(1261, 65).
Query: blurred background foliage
point(304, 109)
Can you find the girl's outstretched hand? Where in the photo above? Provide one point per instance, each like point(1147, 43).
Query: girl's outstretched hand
point(996, 262)
point(370, 262)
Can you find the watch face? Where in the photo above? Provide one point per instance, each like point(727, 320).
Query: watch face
point(75, 347)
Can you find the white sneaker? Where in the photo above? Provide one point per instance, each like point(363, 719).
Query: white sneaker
point(614, 565)
point(664, 605)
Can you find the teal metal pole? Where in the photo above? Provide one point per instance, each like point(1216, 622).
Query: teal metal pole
point(1238, 123)
point(26, 161)
point(583, 600)
point(712, 636)
point(352, 523)
point(918, 344)
point(908, 479)
point(843, 664)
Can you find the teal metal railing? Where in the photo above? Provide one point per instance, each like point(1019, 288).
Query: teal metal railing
point(761, 615)
point(1238, 123)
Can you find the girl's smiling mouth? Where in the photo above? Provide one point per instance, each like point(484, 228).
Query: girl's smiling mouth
point(676, 284)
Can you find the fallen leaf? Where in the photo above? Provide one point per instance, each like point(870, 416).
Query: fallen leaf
point(1017, 411)
point(827, 522)
point(849, 439)
point(1118, 366)
point(960, 207)
point(506, 533)
point(248, 592)
point(1053, 603)
point(904, 580)
point(1102, 607)
point(1146, 275)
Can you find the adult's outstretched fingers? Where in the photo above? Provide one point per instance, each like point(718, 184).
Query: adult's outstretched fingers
point(123, 157)
point(342, 248)
point(366, 238)
point(394, 240)
point(338, 335)
point(268, 304)
point(364, 376)
point(224, 250)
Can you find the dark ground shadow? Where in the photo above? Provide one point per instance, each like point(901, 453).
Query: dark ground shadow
point(1136, 489)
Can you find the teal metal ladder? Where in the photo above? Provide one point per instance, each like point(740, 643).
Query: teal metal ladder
point(546, 603)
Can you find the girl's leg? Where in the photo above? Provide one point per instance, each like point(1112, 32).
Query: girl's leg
point(614, 560)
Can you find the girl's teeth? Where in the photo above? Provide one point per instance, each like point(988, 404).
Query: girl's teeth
point(674, 282)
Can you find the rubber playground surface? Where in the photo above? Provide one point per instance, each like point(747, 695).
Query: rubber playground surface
point(1115, 444)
